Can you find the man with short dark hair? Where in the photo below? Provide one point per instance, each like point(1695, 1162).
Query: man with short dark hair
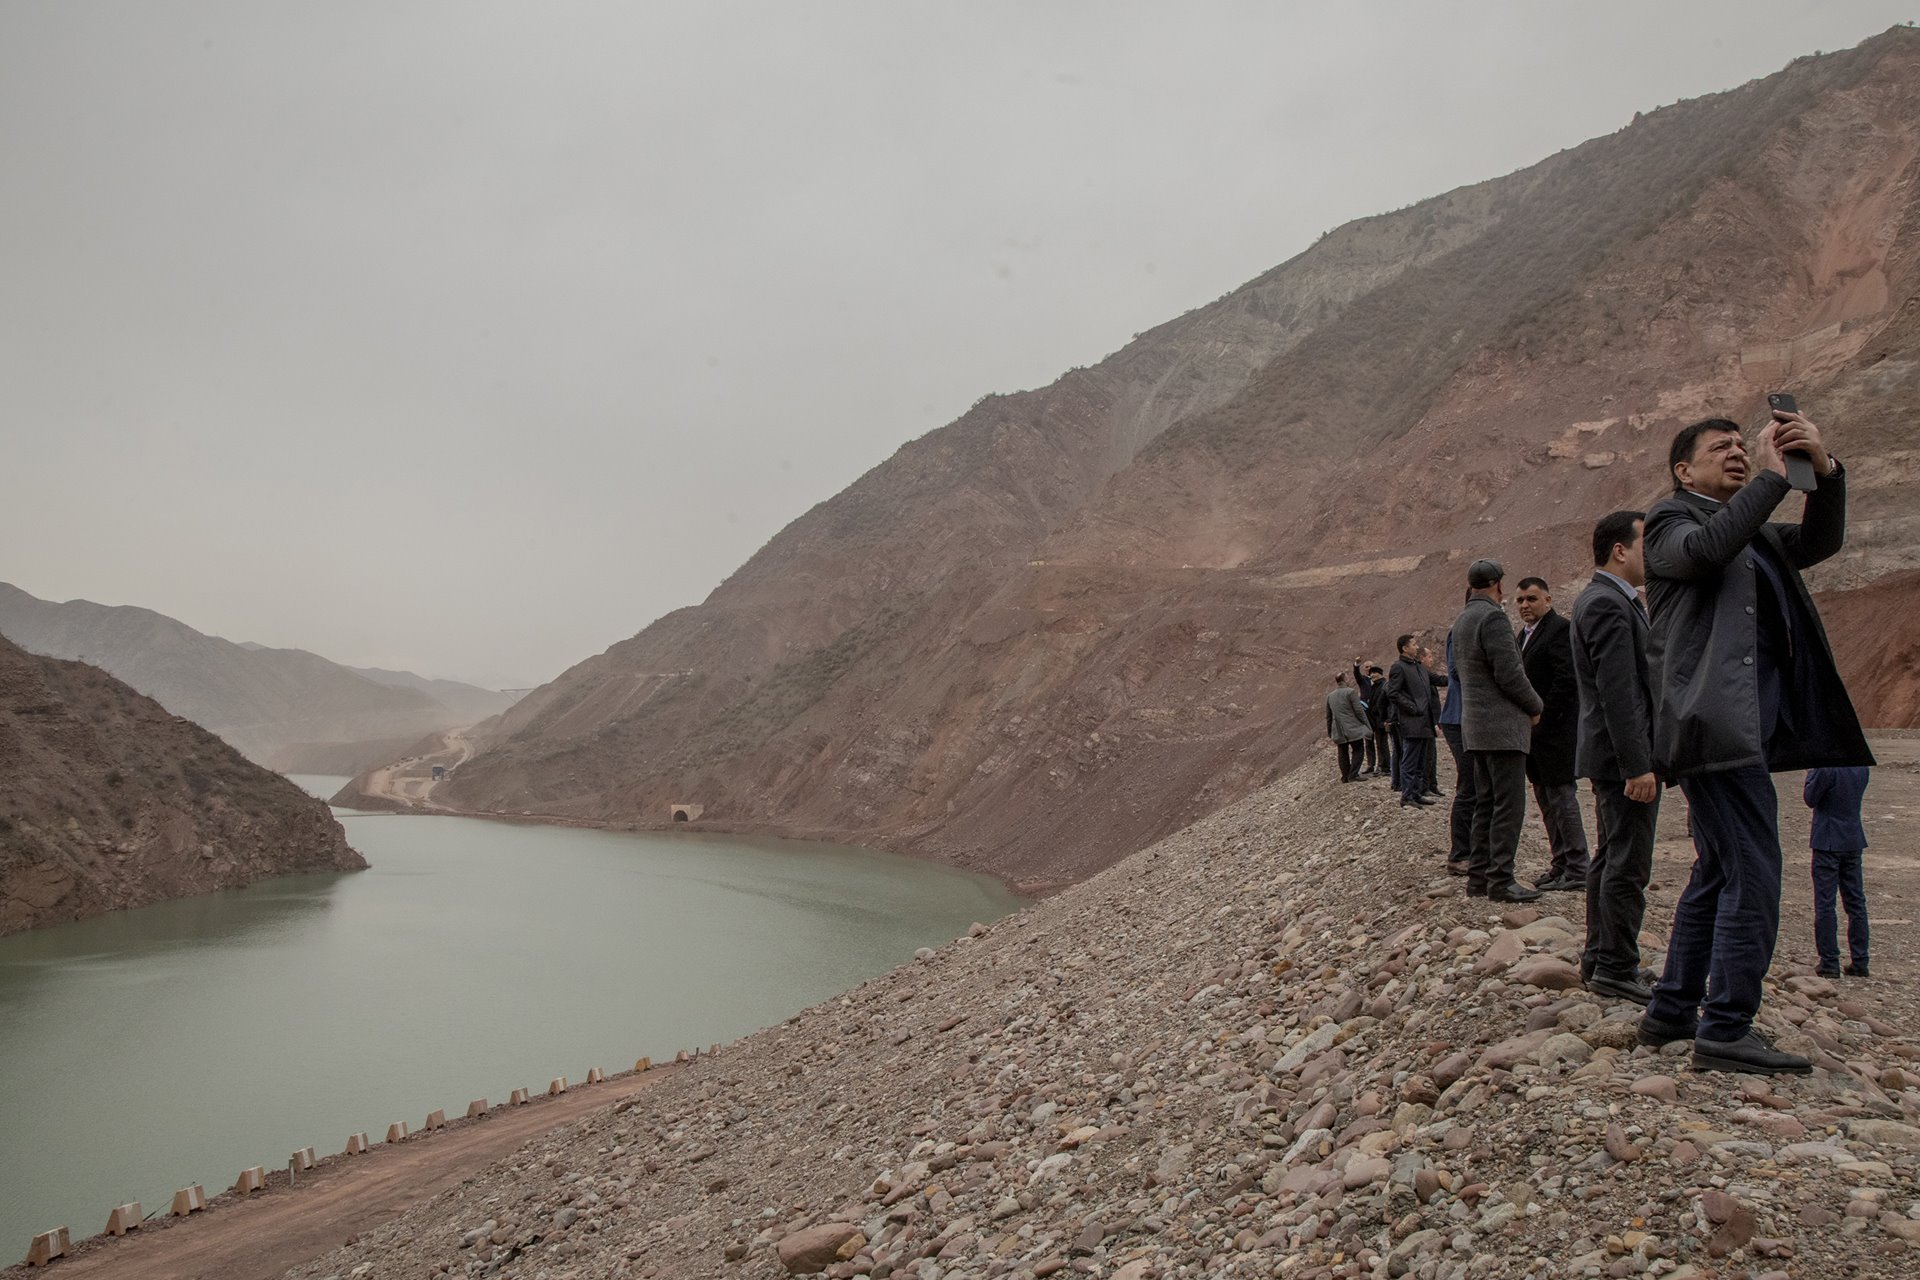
point(1498, 710)
point(1546, 654)
point(1409, 703)
point(1746, 687)
point(1346, 725)
point(1615, 751)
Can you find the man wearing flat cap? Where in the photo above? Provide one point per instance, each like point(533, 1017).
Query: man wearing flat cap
point(1498, 709)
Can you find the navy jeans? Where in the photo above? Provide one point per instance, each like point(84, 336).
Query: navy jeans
point(1460, 833)
point(1729, 915)
point(1839, 869)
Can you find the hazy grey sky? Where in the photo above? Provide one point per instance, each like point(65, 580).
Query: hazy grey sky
point(471, 337)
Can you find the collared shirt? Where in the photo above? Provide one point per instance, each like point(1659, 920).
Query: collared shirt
point(1626, 588)
point(1526, 633)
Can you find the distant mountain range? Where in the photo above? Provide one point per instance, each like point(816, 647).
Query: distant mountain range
point(284, 708)
point(107, 801)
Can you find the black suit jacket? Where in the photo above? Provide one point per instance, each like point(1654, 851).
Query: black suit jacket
point(1608, 638)
point(1548, 661)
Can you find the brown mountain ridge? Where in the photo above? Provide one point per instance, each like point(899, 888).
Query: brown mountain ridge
point(1081, 617)
point(108, 801)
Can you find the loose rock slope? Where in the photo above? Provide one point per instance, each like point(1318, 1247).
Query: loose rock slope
point(1279, 1042)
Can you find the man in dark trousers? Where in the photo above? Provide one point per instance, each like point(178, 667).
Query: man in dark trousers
point(1409, 703)
point(1371, 684)
point(1498, 710)
point(1546, 654)
point(1435, 701)
point(1460, 817)
point(1839, 838)
point(1346, 725)
point(1746, 686)
point(1608, 637)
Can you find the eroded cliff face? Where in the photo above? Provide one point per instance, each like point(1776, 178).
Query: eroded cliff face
point(1078, 619)
point(109, 801)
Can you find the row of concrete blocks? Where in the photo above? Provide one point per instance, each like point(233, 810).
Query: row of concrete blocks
point(49, 1245)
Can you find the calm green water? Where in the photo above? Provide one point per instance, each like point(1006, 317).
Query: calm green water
point(183, 1042)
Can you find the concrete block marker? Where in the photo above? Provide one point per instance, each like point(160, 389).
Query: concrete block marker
point(642, 1064)
point(435, 1120)
point(356, 1144)
point(683, 1056)
point(301, 1160)
point(125, 1218)
point(519, 1098)
point(557, 1086)
point(476, 1108)
point(397, 1131)
point(250, 1180)
point(595, 1075)
point(47, 1246)
point(188, 1200)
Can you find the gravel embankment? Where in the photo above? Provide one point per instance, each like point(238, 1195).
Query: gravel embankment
point(1279, 1043)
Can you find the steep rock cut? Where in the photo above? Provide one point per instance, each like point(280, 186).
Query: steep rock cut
point(996, 649)
point(109, 801)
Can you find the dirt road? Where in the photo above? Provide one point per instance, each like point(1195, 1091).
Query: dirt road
point(260, 1237)
point(410, 781)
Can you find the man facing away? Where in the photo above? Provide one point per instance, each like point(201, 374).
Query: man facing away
point(1746, 686)
point(1409, 703)
point(1839, 838)
point(1346, 725)
point(1546, 654)
point(1608, 637)
point(1460, 817)
point(1498, 710)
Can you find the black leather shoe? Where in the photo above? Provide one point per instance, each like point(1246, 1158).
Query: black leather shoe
point(1515, 892)
point(1654, 1033)
point(1557, 884)
point(1456, 868)
point(1856, 971)
point(1827, 971)
point(1620, 989)
point(1476, 890)
point(1752, 1053)
point(1421, 801)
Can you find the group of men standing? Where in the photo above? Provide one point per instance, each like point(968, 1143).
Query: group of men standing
point(1718, 678)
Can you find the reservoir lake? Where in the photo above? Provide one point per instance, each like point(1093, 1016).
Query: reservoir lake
point(146, 1050)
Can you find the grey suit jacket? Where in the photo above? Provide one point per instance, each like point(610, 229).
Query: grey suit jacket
point(1497, 704)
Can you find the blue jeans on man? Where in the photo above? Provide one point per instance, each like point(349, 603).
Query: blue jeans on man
point(1835, 869)
point(1727, 919)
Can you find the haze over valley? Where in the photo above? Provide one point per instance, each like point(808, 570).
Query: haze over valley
point(657, 467)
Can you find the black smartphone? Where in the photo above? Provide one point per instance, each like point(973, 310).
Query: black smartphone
point(1799, 465)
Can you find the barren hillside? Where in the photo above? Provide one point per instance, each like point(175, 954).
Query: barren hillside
point(1079, 618)
point(109, 801)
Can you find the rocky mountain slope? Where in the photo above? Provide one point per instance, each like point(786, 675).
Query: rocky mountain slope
point(1079, 618)
point(1279, 1043)
point(109, 801)
point(285, 708)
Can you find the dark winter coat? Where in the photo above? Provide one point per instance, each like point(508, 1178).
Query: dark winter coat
point(1703, 593)
point(1409, 698)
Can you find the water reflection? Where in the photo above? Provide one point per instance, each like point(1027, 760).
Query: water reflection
point(184, 1041)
